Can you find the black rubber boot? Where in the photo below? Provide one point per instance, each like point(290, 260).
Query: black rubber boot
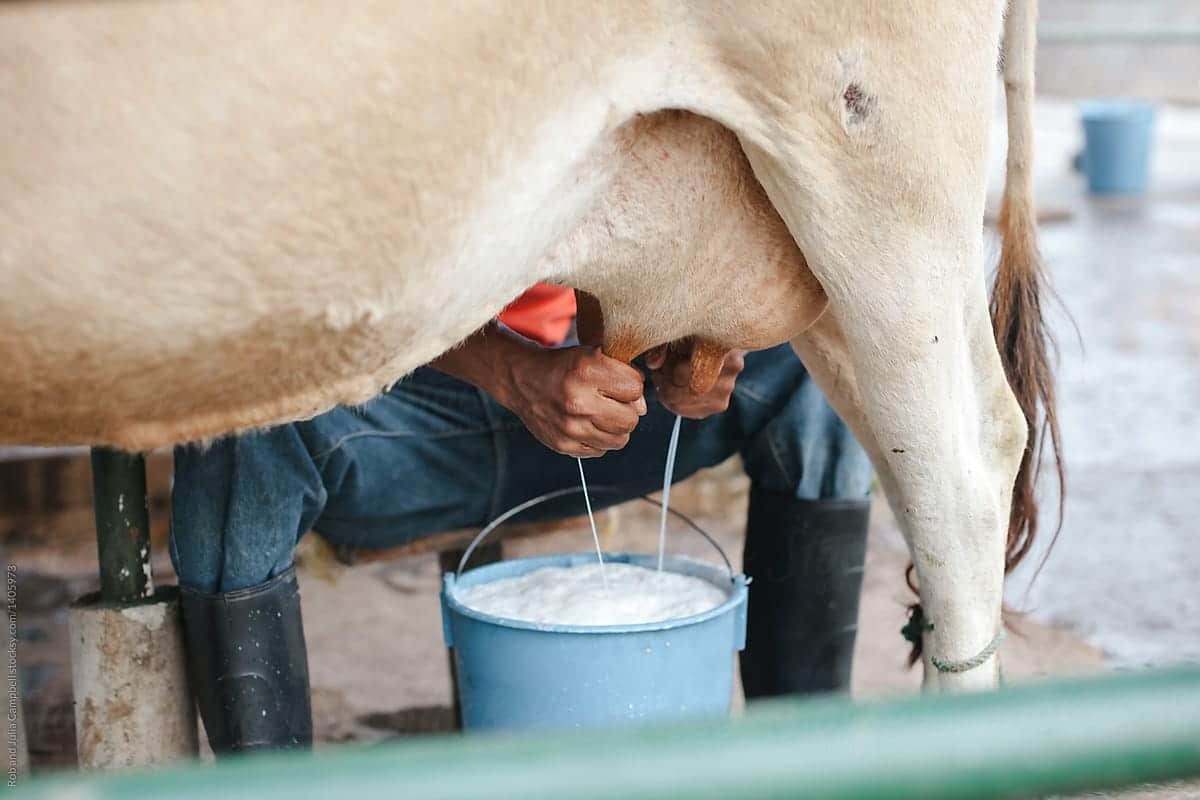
point(805, 558)
point(248, 666)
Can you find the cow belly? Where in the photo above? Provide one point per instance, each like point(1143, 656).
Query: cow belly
point(173, 271)
point(163, 326)
point(139, 360)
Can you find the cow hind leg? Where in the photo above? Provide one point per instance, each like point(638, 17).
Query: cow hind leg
point(906, 356)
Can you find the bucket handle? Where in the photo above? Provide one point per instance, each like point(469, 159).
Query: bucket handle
point(517, 509)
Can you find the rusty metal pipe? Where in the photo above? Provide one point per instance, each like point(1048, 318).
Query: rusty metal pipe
point(122, 525)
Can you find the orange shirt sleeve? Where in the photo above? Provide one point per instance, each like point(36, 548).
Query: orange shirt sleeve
point(543, 313)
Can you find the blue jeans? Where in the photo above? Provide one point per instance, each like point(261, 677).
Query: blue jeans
point(436, 454)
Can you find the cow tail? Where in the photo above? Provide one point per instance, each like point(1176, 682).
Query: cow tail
point(1016, 303)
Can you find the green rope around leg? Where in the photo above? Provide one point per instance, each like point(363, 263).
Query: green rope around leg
point(916, 628)
point(971, 663)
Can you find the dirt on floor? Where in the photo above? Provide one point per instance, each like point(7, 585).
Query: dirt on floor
point(381, 671)
point(396, 618)
point(377, 662)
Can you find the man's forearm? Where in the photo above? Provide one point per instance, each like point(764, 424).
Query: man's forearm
point(485, 359)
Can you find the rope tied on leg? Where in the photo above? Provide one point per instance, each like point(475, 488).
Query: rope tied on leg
point(974, 661)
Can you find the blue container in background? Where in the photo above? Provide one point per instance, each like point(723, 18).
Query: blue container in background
point(521, 675)
point(1117, 141)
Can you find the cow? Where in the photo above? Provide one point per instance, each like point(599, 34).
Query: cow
point(216, 216)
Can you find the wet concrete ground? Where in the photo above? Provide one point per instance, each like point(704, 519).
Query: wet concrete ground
point(1126, 570)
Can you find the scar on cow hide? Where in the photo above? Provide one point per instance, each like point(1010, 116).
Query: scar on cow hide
point(859, 104)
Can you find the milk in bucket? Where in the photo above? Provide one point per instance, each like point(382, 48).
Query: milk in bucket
point(579, 596)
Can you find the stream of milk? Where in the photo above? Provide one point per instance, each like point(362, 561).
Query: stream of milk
point(624, 595)
point(668, 473)
point(592, 519)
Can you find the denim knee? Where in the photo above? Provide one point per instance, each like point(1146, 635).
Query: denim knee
point(800, 445)
point(239, 506)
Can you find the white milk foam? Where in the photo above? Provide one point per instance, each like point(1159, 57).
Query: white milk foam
point(578, 596)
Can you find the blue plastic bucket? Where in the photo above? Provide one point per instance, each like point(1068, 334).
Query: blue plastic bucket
point(1117, 142)
point(521, 675)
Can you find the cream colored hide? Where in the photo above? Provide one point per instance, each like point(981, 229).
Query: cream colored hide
point(216, 215)
point(239, 300)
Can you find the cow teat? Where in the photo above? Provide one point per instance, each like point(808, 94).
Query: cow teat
point(685, 248)
point(707, 357)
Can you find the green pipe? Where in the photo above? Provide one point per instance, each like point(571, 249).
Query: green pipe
point(1070, 34)
point(122, 525)
point(1029, 740)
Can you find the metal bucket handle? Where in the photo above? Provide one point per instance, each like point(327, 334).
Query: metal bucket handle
point(517, 509)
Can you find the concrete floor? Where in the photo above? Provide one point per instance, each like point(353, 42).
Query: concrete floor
point(381, 671)
point(1124, 571)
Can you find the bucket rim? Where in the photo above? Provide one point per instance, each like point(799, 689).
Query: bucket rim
point(1116, 109)
point(736, 586)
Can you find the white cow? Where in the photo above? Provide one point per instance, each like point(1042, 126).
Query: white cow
point(219, 215)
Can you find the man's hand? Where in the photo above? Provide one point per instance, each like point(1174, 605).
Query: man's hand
point(671, 373)
point(576, 401)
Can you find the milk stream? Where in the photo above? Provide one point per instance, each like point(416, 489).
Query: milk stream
point(629, 594)
point(592, 520)
point(668, 472)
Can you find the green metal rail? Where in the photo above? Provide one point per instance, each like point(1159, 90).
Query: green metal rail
point(1074, 34)
point(1018, 742)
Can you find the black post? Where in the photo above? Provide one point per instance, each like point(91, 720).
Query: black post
point(122, 525)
